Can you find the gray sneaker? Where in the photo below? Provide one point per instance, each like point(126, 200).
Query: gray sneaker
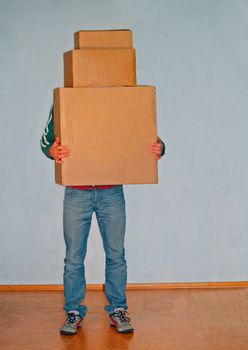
point(121, 321)
point(71, 325)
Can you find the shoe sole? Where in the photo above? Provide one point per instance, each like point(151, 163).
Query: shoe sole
point(70, 333)
point(125, 331)
point(67, 333)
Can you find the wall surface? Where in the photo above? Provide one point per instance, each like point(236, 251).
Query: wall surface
point(193, 225)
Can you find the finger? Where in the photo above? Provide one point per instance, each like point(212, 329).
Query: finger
point(157, 156)
point(63, 155)
point(62, 147)
point(63, 150)
point(156, 145)
point(59, 161)
point(155, 148)
point(156, 152)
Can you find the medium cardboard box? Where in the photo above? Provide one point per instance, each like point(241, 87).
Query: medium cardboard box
point(103, 38)
point(99, 67)
point(108, 130)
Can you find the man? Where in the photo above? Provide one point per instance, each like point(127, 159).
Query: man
point(108, 202)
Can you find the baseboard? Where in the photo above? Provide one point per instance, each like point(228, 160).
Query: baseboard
point(130, 286)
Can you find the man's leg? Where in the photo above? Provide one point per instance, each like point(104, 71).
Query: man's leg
point(77, 220)
point(111, 217)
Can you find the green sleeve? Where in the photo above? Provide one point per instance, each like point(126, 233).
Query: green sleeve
point(48, 137)
point(163, 146)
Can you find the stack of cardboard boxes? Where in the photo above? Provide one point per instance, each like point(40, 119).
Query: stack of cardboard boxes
point(106, 120)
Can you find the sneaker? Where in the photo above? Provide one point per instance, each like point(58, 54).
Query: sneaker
point(72, 323)
point(121, 321)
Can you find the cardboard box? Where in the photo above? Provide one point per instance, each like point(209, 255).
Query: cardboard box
point(108, 131)
point(103, 38)
point(99, 67)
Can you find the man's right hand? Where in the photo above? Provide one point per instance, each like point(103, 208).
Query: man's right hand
point(58, 151)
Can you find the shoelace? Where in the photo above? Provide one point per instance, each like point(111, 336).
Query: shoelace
point(71, 318)
point(121, 315)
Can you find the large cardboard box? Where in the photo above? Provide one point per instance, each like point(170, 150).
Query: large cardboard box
point(108, 131)
point(99, 67)
point(103, 38)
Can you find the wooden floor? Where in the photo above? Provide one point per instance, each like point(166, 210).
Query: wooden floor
point(185, 319)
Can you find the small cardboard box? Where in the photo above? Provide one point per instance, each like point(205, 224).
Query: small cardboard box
point(108, 131)
point(99, 67)
point(103, 38)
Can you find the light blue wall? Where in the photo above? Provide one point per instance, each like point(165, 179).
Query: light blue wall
point(193, 225)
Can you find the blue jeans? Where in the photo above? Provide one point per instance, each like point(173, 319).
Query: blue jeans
point(109, 206)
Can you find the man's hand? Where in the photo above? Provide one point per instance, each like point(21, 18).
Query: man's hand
point(156, 148)
point(58, 151)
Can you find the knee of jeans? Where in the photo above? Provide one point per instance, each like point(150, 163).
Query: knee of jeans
point(72, 264)
point(116, 260)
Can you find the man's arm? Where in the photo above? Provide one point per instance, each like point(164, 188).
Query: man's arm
point(50, 145)
point(48, 136)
